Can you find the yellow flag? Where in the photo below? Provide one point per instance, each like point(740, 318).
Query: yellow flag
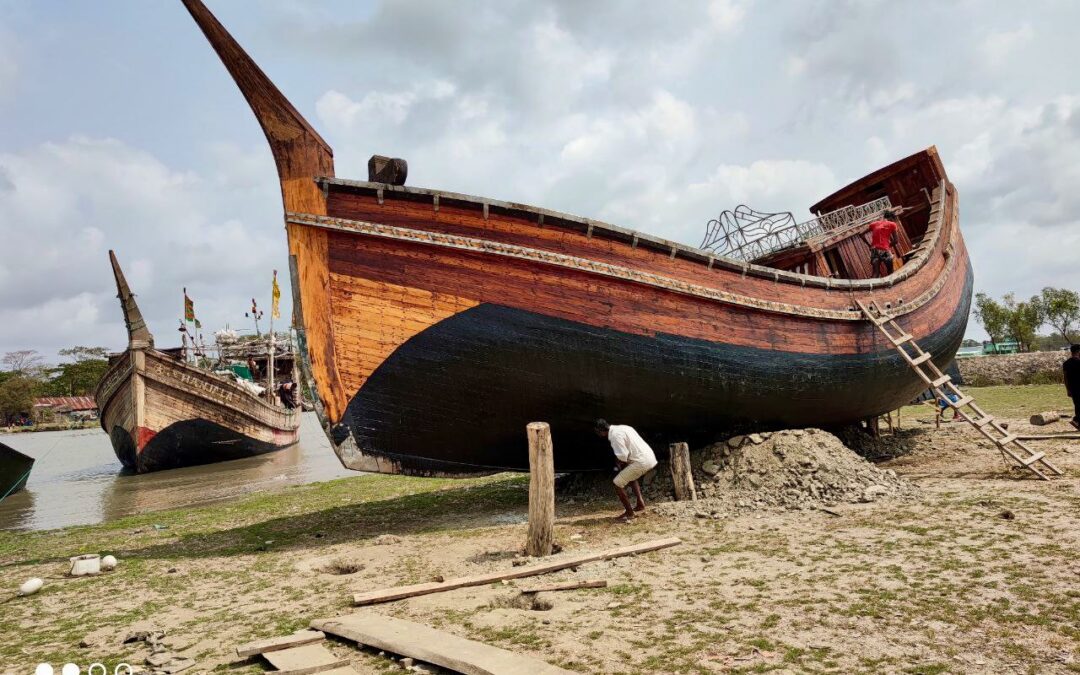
point(275, 311)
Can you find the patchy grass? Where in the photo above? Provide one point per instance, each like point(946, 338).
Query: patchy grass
point(1008, 401)
point(939, 584)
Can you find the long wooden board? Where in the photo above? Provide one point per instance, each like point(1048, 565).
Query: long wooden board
point(433, 646)
point(1047, 437)
point(389, 594)
point(297, 639)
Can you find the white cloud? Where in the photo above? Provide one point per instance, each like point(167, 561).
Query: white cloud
point(339, 110)
point(9, 65)
point(999, 46)
point(727, 15)
point(69, 202)
point(650, 115)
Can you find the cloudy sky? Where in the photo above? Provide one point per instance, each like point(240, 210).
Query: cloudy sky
point(120, 129)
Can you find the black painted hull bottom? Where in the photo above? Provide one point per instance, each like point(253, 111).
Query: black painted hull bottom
point(455, 398)
point(187, 443)
point(14, 470)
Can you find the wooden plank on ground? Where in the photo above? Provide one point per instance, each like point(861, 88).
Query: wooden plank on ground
point(566, 586)
point(433, 646)
point(389, 594)
point(304, 660)
point(1048, 437)
point(297, 639)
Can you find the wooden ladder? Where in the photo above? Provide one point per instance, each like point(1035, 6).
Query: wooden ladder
point(943, 386)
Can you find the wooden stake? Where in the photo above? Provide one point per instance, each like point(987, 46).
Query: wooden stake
point(541, 490)
point(681, 473)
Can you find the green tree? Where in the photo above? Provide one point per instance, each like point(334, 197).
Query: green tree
point(992, 315)
point(81, 376)
point(1061, 309)
point(16, 396)
point(1023, 318)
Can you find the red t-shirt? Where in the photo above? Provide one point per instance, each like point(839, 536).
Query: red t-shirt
point(881, 232)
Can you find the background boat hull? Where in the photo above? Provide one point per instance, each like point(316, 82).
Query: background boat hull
point(14, 470)
point(189, 443)
point(161, 414)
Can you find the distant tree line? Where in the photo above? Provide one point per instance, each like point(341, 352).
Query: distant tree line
point(1020, 320)
point(24, 376)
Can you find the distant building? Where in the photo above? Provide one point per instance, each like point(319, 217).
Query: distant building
point(1004, 347)
point(58, 408)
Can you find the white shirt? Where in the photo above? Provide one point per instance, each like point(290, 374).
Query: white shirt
point(629, 446)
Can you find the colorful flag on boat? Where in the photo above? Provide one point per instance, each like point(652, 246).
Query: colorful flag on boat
point(275, 309)
point(189, 307)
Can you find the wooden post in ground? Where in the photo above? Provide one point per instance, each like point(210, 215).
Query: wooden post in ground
point(681, 473)
point(541, 490)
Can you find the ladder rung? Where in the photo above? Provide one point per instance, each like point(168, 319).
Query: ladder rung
point(1034, 458)
point(1008, 438)
point(941, 380)
point(921, 359)
point(960, 403)
point(901, 339)
point(983, 421)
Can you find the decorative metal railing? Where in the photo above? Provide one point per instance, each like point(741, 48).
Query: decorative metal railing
point(746, 234)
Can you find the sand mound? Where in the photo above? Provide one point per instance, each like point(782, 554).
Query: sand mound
point(793, 469)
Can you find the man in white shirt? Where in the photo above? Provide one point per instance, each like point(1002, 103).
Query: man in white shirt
point(635, 458)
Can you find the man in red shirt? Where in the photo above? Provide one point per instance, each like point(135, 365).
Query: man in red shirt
point(882, 239)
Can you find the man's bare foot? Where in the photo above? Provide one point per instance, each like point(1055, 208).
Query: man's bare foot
point(640, 508)
point(626, 516)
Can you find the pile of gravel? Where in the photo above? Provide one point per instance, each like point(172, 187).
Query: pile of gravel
point(793, 469)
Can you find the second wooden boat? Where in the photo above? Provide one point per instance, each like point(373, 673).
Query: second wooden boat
point(15, 469)
point(437, 324)
point(162, 413)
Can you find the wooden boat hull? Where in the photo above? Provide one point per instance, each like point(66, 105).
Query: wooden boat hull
point(162, 414)
point(448, 349)
point(458, 395)
point(15, 469)
point(435, 325)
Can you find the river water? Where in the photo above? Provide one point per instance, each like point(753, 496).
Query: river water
point(76, 479)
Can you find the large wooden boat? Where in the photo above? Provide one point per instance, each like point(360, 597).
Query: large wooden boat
point(162, 413)
point(438, 324)
point(15, 469)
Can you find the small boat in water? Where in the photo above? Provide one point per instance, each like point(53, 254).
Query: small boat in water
point(435, 325)
point(162, 413)
point(14, 470)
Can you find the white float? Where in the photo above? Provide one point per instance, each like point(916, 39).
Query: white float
point(31, 586)
point(108, 563)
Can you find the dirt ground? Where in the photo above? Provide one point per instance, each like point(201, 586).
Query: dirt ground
point(979, 574)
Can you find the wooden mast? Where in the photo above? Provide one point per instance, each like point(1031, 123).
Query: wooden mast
point(301, 156)
point(139, 336)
